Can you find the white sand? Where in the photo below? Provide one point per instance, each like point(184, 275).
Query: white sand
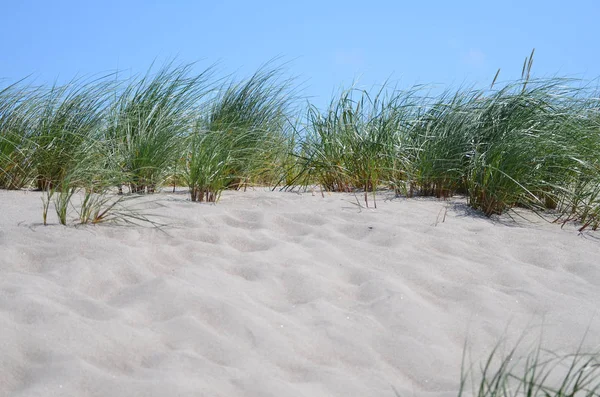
point(280, 294)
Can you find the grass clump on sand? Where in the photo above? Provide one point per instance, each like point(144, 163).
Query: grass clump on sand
point(540, 373)
point(242, 138)
point(434, 146)
point(67, 130)
point(18, 114)
point(352, 144)
point(96, 136)
point(149, 122)
point(530, 143)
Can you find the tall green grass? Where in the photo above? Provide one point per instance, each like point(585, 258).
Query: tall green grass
point(539, 373)
point(242, 138)
point(18, 115)
point(530, 143)
point(45, 133)
point(149, 121)
point(435, 145)
point(69, 123)
point(352, 144)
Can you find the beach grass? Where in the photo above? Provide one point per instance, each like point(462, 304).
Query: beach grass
point(19, 105)
point(530, 143)
point(147, 124)
point(350, 145)
point(242, 137)
point(540, 372)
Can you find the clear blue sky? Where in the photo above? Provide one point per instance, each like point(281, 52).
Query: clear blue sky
point(330, 43)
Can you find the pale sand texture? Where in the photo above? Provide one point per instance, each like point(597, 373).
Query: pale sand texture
point(280, 294)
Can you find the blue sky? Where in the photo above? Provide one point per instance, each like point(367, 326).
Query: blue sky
point(329, 43)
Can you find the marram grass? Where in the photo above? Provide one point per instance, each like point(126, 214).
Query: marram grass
point(538, 373)
point(147, 124)
point(242, 136)
point(530, 143)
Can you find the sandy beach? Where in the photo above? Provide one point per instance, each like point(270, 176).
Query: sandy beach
point(282, 294)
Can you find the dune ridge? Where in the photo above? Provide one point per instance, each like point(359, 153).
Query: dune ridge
point(278, 293)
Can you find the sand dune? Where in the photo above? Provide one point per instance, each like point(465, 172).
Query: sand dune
point(281, 294)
